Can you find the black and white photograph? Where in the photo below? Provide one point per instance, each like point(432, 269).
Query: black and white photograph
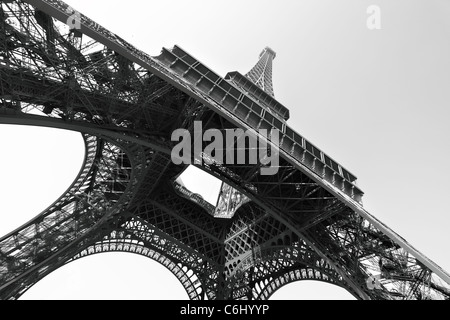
point(224, 151)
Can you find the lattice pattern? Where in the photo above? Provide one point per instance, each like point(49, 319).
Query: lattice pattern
point(261, 74)
point(305, 222)
point(152, 247)
point(102, 189)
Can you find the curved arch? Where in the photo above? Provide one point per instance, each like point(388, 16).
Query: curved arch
point(39, 157)
point(64, 222)
point(190, 87)
point(257, 201)
point(307, 274)
point(185, 276)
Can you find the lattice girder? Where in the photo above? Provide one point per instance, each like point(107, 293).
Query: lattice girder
point(131, 102)
point(174, 220)
point(281, 266)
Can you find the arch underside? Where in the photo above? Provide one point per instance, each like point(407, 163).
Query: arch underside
point(263, 289)
point(260, 253)
point(299, 224)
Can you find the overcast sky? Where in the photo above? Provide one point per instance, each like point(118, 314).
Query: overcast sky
point(374, 100)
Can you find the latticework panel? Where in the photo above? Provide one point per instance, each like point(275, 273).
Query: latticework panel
point(304, 221)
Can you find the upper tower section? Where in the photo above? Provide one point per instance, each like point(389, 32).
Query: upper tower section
point(261, 74)
point(258, 84)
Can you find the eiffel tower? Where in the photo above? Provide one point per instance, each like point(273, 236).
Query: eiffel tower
point(59, 69)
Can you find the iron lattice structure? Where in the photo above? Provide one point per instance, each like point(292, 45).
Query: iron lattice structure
point(304, 223)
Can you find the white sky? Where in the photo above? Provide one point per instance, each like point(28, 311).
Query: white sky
point(202, 183)
point(376, 101)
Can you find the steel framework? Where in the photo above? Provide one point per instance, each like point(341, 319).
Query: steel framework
point(304, 223)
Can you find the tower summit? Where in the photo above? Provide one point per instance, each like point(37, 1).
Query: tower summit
point(261, 74)
point(258, 84)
